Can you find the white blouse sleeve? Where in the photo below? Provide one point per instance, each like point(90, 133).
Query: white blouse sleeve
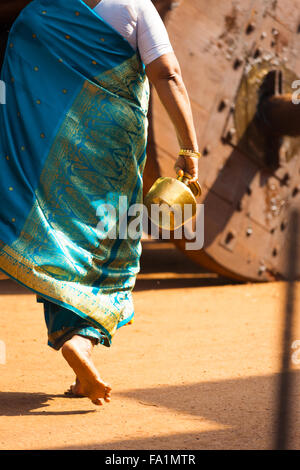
point(152, 37)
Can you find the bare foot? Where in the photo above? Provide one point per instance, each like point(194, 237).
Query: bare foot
point(75, 390)
point(77, 352)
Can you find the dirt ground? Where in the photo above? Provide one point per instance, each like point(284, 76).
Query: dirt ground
point(199, 368)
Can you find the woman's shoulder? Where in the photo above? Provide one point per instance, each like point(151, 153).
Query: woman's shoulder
point(130, 10)
point(140, 7)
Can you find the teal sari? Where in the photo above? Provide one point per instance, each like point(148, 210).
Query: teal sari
point(72, 138)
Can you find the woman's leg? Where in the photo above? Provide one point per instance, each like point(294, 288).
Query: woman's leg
point(77, 352)
point(76, 338)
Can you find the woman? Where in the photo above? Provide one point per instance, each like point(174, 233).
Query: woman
point(73, 140)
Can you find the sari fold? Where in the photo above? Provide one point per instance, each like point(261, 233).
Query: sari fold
point(72, 140)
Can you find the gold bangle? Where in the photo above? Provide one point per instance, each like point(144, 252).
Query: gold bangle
point(189, 153)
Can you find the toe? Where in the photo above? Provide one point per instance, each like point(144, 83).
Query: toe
point(97, 402)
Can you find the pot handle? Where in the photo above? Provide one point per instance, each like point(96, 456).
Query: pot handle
point(194, 187)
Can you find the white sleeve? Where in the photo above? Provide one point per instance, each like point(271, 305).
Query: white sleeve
point(152, 37)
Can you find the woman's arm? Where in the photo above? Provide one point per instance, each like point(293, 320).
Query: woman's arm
point(165, 75)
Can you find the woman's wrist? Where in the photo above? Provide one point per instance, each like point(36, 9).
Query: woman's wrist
point(189, 144)
point(188, 152)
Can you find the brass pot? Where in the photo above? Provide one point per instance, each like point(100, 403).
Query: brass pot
point(172, 202)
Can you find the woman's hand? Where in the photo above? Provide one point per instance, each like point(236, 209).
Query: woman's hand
point(188, 165)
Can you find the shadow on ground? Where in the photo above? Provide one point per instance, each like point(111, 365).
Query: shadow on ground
point(243, 411)
point(163, 266)
point(24, 404)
